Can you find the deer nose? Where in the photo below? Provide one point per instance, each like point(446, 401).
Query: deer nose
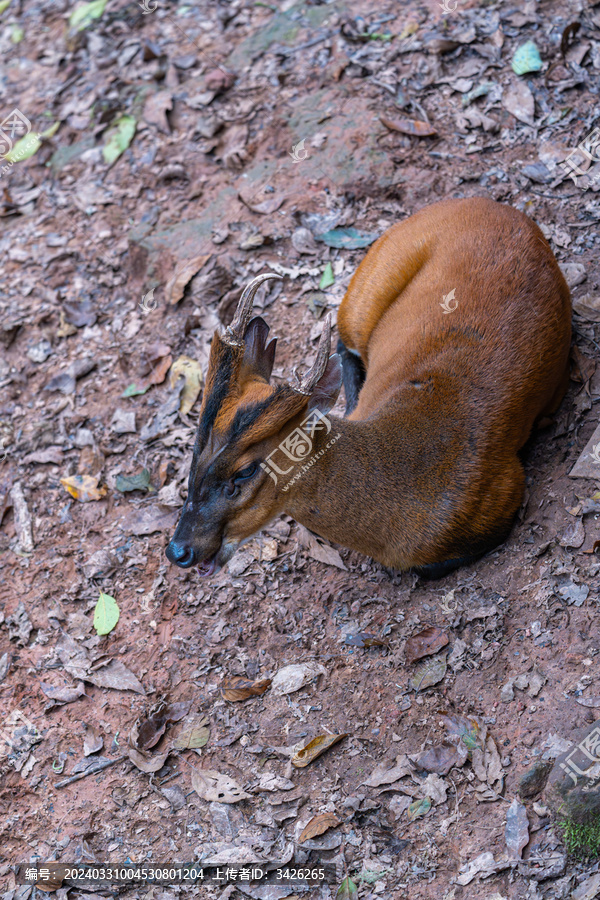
point(181, 555)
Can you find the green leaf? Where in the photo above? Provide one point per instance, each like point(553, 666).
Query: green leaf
point(327, 278)
point(29, 144)
point(106, 614)
point(139, 482)
point(527, 59)
point(16, 34)
point(84, 15)
point(347, 890)
point(119, 138)
point(132, 390)
point(4, 4)
point(347, 238)
point(419, 808)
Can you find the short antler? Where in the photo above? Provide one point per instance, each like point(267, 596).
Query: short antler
point(233, 334)
point(306, 385)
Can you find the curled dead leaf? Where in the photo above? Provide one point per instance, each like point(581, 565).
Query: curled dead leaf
point(237, 688)
point(409, 126)
point(319, 825)
point(315, 748)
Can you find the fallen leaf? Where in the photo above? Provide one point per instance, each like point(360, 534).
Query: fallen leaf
point(115, 675)
point(320, 551)
point(85, 13)
point(65, 693)
point(318, 825)
point(347, 238)
point(526, 59)
point(347, 890)
point(184, 272)
point(518, 100)
point(409, 126)
point(327, 278)
point(83, 487)
point(315, 748)
point(93, 741)
point(418, 808)
point(192, 374)
point(214, 787)
point(106, 614)
point(425, 643)
point(291, 678)
point(382, 774)
point(139, 482)
point(119, 137)
point(145, 762)
point(194, 734)
point(428, 674)
point(468, 729)
point(237, 688)
point(450, 753)
point(517, 829)
point(156, 108)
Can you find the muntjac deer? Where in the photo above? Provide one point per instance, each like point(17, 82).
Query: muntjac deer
point(454, 340)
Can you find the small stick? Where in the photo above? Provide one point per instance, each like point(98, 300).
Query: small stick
point(90, 771)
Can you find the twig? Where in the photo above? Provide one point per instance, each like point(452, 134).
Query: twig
point(90, 771)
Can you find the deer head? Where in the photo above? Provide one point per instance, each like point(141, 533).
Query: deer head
point(243, 419)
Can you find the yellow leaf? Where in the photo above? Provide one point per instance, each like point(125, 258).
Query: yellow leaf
point(83, 487)
point(192, 373)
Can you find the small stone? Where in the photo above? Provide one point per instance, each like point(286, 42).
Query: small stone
point(534, 780)
point(40, 352)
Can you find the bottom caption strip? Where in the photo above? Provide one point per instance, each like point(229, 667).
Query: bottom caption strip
point(54, 874)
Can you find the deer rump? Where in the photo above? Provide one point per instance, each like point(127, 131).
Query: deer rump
point(454, 341)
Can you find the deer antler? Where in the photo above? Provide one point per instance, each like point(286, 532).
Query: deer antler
point(306, 385)
point(233, 334)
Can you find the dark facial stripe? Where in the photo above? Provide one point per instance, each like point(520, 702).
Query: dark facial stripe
point(225, 364)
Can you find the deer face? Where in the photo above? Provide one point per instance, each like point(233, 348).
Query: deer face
point(243, 419)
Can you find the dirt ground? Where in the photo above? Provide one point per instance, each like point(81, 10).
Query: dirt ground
point(185, 148)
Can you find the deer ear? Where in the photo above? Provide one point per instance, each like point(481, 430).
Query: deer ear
point(259, 356)
point(327, 388)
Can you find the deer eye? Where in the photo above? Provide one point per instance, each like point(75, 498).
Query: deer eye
point(246, 473)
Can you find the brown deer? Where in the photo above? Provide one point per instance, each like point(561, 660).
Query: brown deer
point(454, 341)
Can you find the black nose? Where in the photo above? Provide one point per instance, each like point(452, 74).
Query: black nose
point(181, 555)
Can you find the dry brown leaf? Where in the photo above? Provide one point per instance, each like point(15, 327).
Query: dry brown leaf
point(217, 788)
point(409, 126)
point(319, 825)
point(156, 108)
point(93, 740)
point(425, 643)
point(237, 688)
point(145, 762)
point(315, 748)
point(175, 287)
